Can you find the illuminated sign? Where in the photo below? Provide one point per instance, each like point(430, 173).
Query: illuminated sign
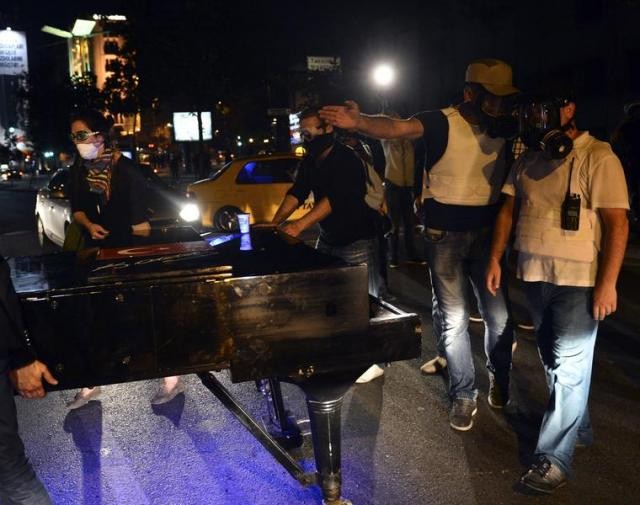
point(323, 63)
point(13, 53)
point(185, 126)
point(294, 129)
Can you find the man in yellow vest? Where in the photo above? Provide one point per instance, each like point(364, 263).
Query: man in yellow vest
point(570, 200)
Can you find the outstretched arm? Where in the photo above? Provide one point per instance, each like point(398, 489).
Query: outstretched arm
point(349, 117)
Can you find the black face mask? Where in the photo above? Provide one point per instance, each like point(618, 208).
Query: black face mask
point(501, 125)
point(505, 127)
point(540, 129)
point(316, 146)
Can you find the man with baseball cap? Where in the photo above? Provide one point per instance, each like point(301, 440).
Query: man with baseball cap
point(464, 170)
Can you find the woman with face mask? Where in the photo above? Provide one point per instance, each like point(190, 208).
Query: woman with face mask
point(108, 201)
point(108, 192)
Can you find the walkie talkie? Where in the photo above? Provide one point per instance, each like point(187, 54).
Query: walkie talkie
point(570, 219)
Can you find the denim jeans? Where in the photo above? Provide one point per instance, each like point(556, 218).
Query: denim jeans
point(360, 251)
point(566, 334)
point(400, 203)
point(18, 482)
point(456, 259)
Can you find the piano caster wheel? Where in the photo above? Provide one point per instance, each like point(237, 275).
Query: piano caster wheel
point(339, 501)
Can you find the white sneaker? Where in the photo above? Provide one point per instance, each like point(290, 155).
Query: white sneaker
point(165, 394)
point(373, 372)
point(434, 365)
point(84, 396)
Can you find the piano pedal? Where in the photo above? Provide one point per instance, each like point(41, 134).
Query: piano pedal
point(286, 432)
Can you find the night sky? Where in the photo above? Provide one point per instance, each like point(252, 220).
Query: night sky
point(249, 53)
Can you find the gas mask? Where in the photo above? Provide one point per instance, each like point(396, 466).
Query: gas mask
point(540, 128)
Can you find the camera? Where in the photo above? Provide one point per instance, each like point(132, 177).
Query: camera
point(570, 217)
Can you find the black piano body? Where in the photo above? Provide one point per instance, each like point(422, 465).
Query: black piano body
point(262, 305)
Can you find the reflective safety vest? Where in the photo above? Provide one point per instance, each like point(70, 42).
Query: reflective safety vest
point(471, 170)
point(539, 228)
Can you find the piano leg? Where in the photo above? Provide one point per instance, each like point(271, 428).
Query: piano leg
point(324, 402)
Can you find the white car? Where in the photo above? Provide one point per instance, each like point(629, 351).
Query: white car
point(167, 207)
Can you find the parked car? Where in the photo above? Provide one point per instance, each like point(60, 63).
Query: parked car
point(255, 185)
point(167, 206)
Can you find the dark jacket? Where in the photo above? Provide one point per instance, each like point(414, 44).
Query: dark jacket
point(127, 205)
point(15, 343)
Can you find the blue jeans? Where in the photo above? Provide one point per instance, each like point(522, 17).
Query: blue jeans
point(360, 251)
point(456, 259)
point(18, 482)
point(566, 334)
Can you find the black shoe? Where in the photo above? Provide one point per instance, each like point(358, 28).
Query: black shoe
point(462, 412)
point(394, 264)
point(498, 396)
point(416, 260)
point(544, 477)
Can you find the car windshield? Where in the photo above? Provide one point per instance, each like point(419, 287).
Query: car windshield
point(218, 172)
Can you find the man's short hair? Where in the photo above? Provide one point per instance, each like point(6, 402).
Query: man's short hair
point(313, 111)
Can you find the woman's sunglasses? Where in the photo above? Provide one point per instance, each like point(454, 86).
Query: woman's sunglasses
point(82, 135)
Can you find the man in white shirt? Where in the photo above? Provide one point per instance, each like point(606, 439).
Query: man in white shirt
point(568, 196)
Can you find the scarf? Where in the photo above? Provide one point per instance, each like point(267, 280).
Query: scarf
point(99, 173)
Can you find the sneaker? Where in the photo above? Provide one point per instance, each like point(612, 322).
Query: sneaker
point(84, 396)
point(475, 317)
point(497, 398)
point(544, 477)
point(434, 365)
point(165, 394)
point(394, 264)
point(462, 412)
point(373, 372)
point(526, 326)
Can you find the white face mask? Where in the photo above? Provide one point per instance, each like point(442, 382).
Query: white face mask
point(88, 151)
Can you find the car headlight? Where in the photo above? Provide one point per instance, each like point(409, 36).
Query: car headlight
point(190, 212)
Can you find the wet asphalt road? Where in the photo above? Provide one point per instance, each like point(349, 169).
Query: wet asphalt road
point(397, 445)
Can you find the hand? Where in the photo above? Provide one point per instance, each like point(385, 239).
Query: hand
point(292, 229)
point(97, 232)
point(493, 276)
point(141, 229)
point(343, 116)
point(417, 206)
point(28, 379)
point(605, 301)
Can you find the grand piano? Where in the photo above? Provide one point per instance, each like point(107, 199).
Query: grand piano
point(262, 305)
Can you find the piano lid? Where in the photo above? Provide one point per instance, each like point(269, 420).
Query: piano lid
point(264, 251)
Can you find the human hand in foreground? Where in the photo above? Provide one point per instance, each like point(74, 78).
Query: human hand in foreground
point(343, 116)
point(28, 379)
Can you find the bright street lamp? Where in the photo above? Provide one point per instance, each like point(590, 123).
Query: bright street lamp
point(383, 75)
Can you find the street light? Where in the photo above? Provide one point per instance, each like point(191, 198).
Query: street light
point(383, 76)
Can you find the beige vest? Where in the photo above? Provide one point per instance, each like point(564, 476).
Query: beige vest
point(539, 227)
point(471, 170)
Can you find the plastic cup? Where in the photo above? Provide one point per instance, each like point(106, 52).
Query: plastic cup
point(243, 222)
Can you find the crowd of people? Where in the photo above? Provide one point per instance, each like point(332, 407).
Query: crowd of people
point(561, 204)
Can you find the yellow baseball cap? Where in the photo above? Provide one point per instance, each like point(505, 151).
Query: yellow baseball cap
point(493, 75)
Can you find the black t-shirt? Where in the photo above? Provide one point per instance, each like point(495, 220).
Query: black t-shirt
point(126, 206)
point(340, 177)
point(442, 216)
